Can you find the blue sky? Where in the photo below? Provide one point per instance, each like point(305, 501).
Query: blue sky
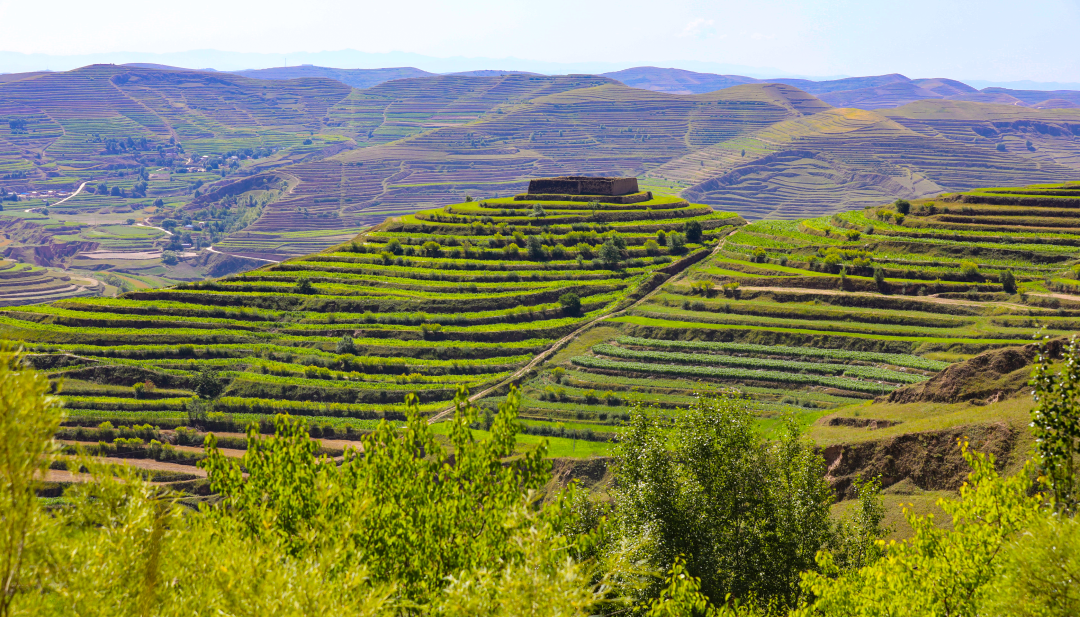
point(992, 40)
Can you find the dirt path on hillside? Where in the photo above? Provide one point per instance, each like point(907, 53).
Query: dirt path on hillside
point(932, 299)
point(77, 191)
point(61, 475)
point(559, 344)
point(211, 249)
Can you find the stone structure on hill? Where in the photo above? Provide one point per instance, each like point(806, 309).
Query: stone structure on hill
point(583, 185)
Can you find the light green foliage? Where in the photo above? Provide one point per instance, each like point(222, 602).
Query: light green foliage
point(28, 419)
point(970, 269)
point(856, 542)
point(938, 571)
point(748, 514)
point(459, 517)
point(400, 530)
point(682, 597)
point(1040, 572)
point(1056, 424)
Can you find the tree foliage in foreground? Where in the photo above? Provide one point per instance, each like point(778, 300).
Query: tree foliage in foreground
point(747, 514)
point(401, 529)
point(406, 528)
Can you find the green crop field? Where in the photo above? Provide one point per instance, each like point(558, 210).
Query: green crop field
point(814, 314)
point(802, 317)
point(460, 296)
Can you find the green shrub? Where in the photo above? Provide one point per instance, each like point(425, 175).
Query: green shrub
point(571, 303)
point(1008, 281)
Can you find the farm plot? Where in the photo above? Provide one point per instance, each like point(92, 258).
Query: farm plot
point(459, 296)
point(815, 313)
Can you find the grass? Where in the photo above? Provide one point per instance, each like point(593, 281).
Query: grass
point(921, 417)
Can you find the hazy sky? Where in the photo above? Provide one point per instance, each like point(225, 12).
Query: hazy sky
point(974, 39)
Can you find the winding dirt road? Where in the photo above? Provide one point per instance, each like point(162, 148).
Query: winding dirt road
point(77, 191)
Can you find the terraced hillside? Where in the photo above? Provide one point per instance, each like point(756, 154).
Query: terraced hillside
point(271, 169)
point(22, 283)
point(815, 314)
point(844, 158)
point(464, 295)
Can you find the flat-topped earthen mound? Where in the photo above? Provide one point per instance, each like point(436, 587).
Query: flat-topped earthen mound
point(582, 185)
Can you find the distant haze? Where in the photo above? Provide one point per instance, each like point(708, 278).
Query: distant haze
point(981, 42)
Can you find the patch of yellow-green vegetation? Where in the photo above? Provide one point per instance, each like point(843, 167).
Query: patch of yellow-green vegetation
point(919, 417)
point(896, 499)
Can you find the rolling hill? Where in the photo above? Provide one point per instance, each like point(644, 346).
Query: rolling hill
point(463, 295)
point(815, 317)
point(871, 92)
point(265, 169)
point(355, 78)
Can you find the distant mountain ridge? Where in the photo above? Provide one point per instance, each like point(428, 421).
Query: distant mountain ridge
point(867, 92)
point(340, 157)
point(871, 92)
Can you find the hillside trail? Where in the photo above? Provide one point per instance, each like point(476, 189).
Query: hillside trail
point(211, 249)
point(152, 227)
point(933, 299)
point(77, 191)
point(559, 344)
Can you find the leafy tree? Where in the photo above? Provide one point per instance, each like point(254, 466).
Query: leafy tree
point(304, 286)
point(394, 246)
point(610, 253)
point(879, 279)
point(345, 345)
point(169, 258)
point(461, 516)
point(940, 571)
point(538, 211)
point(651, 247)
point(1008, 281)
point(570, 302)
point(536, 247)
point(208, 383)
point(29, 417)
point(676, 243)
point(432, 248)
point(748, 514)
point(970, 269)
point(902, 206)
point(692, 229)
point(1038, 572)
point(1055, 421)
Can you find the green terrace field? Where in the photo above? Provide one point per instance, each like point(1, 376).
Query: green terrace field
point(461, 296)
point(811, 315)
point(25, 284)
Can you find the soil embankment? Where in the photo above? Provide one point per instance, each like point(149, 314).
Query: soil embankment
point(988, 377)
